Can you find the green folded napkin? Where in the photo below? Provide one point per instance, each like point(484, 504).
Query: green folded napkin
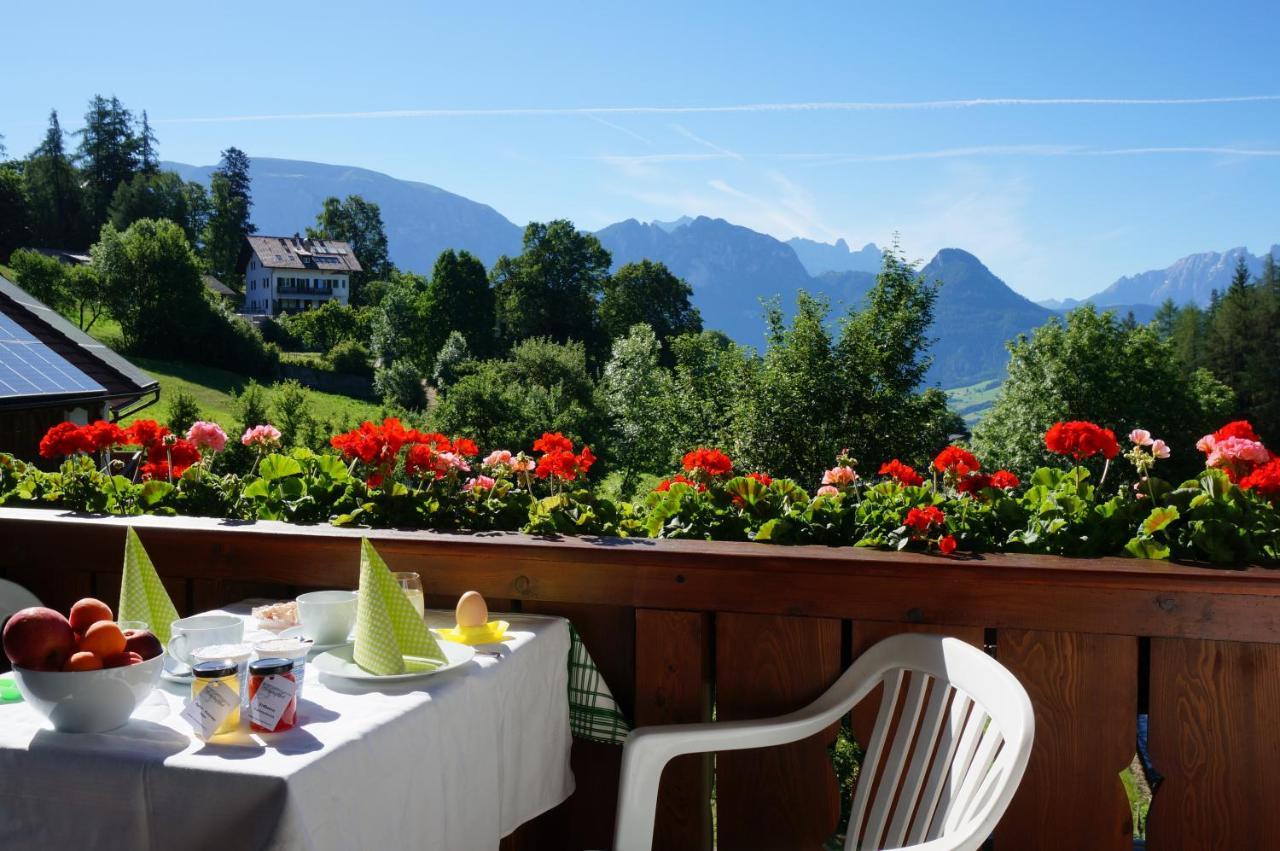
point(388, 627)
point(142, 594)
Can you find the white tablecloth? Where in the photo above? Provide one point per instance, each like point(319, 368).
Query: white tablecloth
point(454, 762)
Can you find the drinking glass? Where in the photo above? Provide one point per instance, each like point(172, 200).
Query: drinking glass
point(411, 584)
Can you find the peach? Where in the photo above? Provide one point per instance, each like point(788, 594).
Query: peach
point(88, 611)
point(83, 661)
point(39, 639)
point(103, 638)
point(119, 660)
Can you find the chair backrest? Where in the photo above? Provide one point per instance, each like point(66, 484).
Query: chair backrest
point(950, 744)
point(13, 598)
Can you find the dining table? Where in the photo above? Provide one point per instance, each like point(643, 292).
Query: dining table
point(452, 761)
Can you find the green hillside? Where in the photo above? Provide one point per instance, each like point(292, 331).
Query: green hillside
point(973, 401)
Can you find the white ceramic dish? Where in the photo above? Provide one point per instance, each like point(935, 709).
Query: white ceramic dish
point(89, 701)
point(339, 663)
point(298, 632)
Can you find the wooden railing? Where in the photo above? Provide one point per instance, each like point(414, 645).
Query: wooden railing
point(766, 629)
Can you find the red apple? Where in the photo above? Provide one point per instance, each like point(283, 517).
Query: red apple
point(119, 660)
point(86, 612)
point(39, 638)
point(143, 642)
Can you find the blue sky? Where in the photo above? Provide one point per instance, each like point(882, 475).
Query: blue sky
point(849, 120)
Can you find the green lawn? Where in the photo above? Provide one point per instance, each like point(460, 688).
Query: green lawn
point(213, 388)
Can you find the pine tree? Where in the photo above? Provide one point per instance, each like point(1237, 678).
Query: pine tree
point(228, 222)
point(148, 157)
point(108, 154)
point(53, 190)
point(1240, 277)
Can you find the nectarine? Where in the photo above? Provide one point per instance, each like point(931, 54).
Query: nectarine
point(119, 660)
point(103, 638)
point(39, 639)
point(88, 611)
point(143, 642)
point(83, 661)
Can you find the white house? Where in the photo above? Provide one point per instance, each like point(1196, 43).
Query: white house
point(288, 274)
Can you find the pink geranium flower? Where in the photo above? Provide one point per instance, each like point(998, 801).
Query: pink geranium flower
point(479, 482)
point(828, 490)
point(840, 476)
point(1140, 437)
point(261, 437)
point(498, 458)
point(207, 435)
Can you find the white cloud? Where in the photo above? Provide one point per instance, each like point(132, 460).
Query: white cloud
point(820, 106)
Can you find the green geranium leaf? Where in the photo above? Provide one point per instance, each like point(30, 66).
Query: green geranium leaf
point(278, 467)
point(154, 491)
point(1159, 519)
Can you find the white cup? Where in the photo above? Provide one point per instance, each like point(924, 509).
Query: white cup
point(293, 649)
point(189, 634)
point(327, 616)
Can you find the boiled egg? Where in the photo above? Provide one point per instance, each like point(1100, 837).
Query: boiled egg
point(472, 610)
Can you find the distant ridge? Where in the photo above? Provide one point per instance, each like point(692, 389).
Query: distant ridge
point(421, 220)
point(819, 257)
point(1190, 280)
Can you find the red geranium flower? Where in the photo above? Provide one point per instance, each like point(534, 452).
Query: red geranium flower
point(64, 439)
point(104, 435)
point(1240, 428)
point(956, 460)
point(712, 462)
point(905, 474)
point(563, 464)
point(553, 443)
point(763, 478)
point(1004, 480)
point(420, 461)
point(146, 433)
point(973, 483)
point(947, 544)
point(921, 519)
point(1081, 440)
point(1264, 480)
point(665, 484)
point(466, 446)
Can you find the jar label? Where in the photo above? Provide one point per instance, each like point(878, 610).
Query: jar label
point(270, 701)
point(208, 709)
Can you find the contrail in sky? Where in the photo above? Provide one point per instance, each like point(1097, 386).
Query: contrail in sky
point(820, 106)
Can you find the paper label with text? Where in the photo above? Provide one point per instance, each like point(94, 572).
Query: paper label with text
point(270, 701)
point(206, 712)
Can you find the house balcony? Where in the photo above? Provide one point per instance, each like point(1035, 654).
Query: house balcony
point(320, 292)
point(682, 629)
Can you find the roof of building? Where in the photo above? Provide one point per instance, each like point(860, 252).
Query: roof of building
point(216, 287)
point(45, 360)
point(70, 256)
point(298, 252)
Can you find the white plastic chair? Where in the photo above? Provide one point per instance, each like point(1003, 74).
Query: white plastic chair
point(14, 598)
point(974, 724)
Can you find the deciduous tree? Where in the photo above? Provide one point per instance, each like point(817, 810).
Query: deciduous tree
point(358, 222)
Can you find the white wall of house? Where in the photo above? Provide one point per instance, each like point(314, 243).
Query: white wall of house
point(292, 290)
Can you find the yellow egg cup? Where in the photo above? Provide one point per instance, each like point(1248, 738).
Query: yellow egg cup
point(489, 633)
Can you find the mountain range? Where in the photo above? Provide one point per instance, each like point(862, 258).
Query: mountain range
point(730, 267)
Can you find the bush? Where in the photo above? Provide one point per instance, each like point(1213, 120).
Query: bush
point(274, 331)
point(291, 412)
point(183, 411)
point(349, 357)
point(400, 385)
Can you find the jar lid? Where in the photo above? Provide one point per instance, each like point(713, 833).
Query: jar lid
point(213, 670)
point(269, 666)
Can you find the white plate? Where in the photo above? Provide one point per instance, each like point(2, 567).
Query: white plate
point(296, 632)
point(175, 671)
point(339, 663)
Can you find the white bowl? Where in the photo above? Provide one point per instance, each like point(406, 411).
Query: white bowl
point(89, 701)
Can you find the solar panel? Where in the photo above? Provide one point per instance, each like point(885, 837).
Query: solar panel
point(30, 368)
